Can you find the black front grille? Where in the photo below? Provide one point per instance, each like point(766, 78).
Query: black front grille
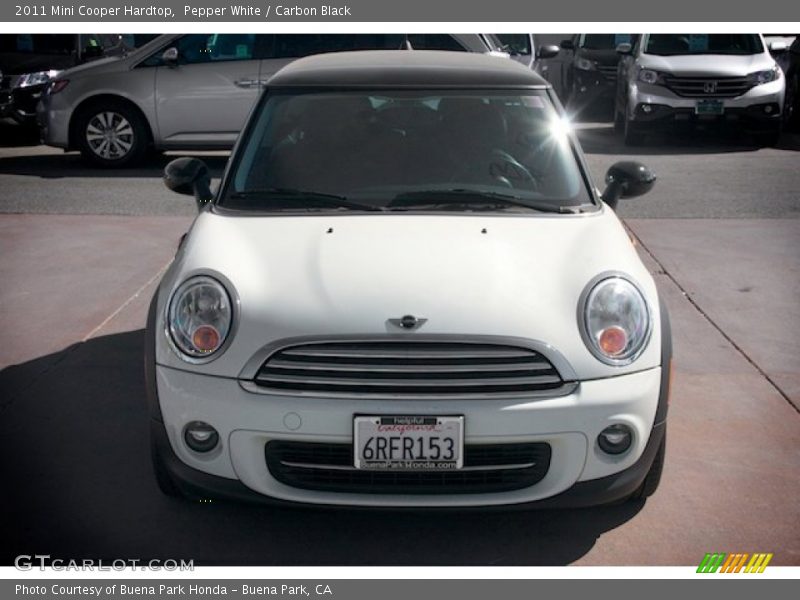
point(708, 87)
point(488, 468)
point(609, 72)
point(410, 369)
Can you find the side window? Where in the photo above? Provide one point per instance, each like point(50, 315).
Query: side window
point(434, 41)
point(199, 48)
point(300, 45)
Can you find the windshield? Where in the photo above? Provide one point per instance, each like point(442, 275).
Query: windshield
point(703, 43)
point(604, 41)
point(515, 43)
point(394, 150)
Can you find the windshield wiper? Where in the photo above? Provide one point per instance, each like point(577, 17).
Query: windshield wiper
point(304, 197)
point(455, 198)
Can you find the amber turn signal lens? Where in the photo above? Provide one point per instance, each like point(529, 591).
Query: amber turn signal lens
point(613, 340)
point(205, 338)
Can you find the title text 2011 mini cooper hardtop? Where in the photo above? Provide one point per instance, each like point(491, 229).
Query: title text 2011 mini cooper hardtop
point(407, 292)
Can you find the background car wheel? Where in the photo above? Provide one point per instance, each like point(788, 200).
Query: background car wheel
point(165, 482)
point(653, 477)
point(630, 134)
point(619, 120)
point(111, 134)
point(791, 114)
point(768, 138)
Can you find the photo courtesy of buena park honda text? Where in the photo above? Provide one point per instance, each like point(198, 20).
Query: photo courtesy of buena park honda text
point(359, 299)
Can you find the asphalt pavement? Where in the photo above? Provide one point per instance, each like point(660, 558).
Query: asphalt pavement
point(81, 251)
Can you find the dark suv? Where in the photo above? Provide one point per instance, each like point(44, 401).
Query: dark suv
point(590, 75)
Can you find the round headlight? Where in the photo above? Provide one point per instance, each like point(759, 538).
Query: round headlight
point(616, 321)
point(200, 316)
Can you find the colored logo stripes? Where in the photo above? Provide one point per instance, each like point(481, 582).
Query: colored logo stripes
point(734, 563)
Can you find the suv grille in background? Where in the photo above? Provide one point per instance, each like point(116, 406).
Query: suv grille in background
point(708, 87)
point(609, 72)
point(415, 369)
point(329, 467)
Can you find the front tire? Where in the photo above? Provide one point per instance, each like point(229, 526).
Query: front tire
point(768, 138)
point(631, 134)
point(111, 134)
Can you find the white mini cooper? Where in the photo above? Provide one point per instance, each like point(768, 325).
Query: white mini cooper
point(408, 292)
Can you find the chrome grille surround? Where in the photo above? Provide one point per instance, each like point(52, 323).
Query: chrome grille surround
point(701, 87)
point(410, 366)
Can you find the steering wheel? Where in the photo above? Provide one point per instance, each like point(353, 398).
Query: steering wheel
point(502, 168)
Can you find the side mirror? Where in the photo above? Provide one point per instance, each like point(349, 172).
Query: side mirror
point(547, 51)
point(189, 176)
point(624, 48)
point(567, 45)
point(627, 179)
point(170, 56)
point(777, 47)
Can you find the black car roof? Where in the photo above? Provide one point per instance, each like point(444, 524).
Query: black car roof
point(406, 68)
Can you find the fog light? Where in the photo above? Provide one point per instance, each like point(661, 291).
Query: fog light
point(768, 109)
point(647, 109)
point(200, 437)
point(615, 439)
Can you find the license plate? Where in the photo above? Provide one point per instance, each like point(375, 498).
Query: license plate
point(410, 443)
point(709, 107)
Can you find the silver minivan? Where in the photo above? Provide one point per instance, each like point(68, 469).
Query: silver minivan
point(192, 91)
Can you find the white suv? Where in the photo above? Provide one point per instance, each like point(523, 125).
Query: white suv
point(728, 78)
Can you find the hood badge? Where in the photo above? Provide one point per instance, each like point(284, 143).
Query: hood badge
point(408, 322)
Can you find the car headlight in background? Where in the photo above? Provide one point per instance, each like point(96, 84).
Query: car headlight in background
point(761, 77)
point(37, 78)
point(584, 64)
point(199, 317)
point(651, 77)
point(616, 321)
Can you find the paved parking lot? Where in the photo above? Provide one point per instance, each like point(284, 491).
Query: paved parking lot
point(81, 251)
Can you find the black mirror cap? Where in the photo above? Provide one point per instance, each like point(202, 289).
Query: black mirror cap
point(189, 176)
point(627, 179)
point(547, 51)
point(567, 45)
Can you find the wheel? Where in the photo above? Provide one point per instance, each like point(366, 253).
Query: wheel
point(111, 134)
point(619, 120)
point(653, 477)
point(164, 480)
point(630, 134)
point(791, 114)
point(768, 138)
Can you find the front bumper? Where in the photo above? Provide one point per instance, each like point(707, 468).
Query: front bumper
point(53, 118)
point(759, 108)
point(579, 473)
point(593, 86)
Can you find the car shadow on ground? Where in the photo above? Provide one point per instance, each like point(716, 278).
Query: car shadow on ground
point(601, 138)
point(81, 486)
point(70, 164)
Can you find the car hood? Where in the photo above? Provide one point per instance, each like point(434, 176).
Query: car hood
point(96, 67)
point(712, 65)
point(517, 276)
point(16, 64)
